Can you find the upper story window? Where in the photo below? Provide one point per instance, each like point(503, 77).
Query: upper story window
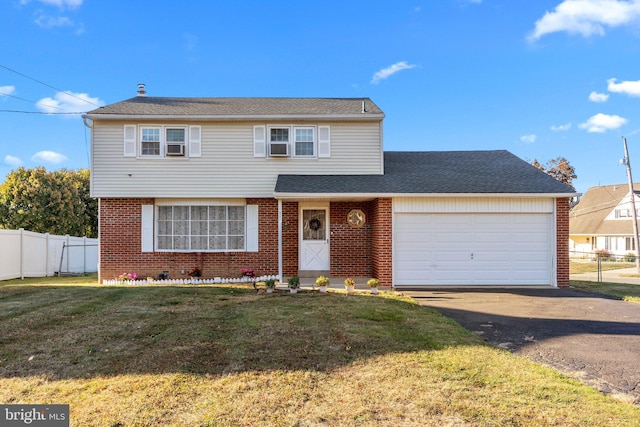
point(296, 141)
point(623, 213)
point(146, 141)
point(150, 142)
point(304, 142)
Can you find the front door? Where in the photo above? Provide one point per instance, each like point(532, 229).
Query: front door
point(314, 238)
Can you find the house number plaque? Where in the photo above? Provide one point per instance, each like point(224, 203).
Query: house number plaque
point(356, 218)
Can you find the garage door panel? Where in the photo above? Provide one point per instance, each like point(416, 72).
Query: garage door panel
point(472, 249)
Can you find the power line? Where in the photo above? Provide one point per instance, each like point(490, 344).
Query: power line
point(30, 101)
point(39, 112)
point(48, 85)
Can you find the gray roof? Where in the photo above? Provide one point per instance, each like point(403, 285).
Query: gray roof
point(229, 107)
point(433, 172)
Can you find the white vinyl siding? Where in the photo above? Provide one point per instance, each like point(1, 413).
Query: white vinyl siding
point(227, 166)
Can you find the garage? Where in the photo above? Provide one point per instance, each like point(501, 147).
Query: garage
point(474, 249)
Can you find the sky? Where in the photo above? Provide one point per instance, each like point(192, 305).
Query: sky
point(542, 79)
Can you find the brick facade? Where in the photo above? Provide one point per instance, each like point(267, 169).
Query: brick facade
point(351, 248)
point(290, 242)
point(359, 252)
point(562, 241)
point(120, 245)
point(381, 240)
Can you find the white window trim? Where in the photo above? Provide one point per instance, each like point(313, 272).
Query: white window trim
point(292, 140)
point(163, 141)
point(315, 143)
point(156, 229)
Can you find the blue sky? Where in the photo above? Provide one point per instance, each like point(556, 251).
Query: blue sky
point(541, 79)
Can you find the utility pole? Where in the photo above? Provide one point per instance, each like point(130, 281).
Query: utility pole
point(627, 163)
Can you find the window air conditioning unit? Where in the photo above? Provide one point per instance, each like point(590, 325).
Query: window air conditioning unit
point(278, 149)
point(175, 149)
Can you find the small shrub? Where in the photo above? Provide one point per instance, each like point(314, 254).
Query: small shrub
point(293, 282)
point(603, 254)
point(322, 281)
point(630, 257)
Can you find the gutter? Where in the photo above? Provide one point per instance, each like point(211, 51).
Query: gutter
point(235, 117)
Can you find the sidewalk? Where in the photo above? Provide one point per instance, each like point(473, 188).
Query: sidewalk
point(612, 276)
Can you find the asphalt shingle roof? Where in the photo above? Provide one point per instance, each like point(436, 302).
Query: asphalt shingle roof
point(433, 172)
point(588, 216)
point(152, 106)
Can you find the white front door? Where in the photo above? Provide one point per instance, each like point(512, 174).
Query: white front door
point(314, 237)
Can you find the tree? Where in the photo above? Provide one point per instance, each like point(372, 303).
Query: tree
point(49, 202)
point(558, 168)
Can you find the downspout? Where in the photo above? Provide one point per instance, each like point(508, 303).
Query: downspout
point(280, 241)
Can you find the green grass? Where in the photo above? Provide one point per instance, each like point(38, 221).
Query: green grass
point(623, 291)
point(217, 356)
point(577, 267)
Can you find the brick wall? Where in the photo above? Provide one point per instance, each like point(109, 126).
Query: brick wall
point(351, 249)
point(120, 245)
point(381, 240)
point(562, 241)
point(290, 242)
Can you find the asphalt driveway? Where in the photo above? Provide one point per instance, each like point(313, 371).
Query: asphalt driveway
point(588, 337)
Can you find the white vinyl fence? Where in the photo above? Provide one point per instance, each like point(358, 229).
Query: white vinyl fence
point(28, 254)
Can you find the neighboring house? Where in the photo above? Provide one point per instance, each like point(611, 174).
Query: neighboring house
point(302, 186)
point(602, 220)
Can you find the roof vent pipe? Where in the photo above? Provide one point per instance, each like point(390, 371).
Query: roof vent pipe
point(141, 90)
point(364, 107)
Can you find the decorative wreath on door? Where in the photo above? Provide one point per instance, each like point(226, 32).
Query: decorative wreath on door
point(315, 224)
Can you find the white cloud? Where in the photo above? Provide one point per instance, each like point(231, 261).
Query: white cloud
point(71, 4)
point(561, 128)
point(627, 87)
point(48, 157)
point(12, 160)
point(587, 17)
point(47, 22)
point(69, 102)
point(528, 139)
point(598, 97)
point(601, 123)
point(390, 70)
point(7, 90)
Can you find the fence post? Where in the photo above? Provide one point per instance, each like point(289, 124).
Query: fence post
point(84, 254)
point(68, 253)
point(599, 269)
point(46, 255)
point(21, 253)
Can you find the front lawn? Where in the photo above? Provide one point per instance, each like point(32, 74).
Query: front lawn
point(584, 266)
point(135, 355)
point(623, 291)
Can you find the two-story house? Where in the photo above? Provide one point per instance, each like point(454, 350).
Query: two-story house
point(302, 186)
point(603, 221)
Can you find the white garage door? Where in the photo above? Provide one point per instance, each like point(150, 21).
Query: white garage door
point(472, 249)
